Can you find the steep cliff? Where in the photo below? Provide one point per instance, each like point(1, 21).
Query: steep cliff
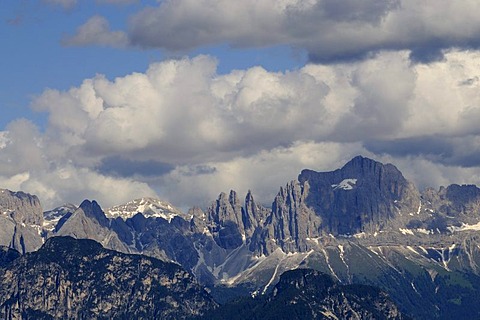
point(21, 221)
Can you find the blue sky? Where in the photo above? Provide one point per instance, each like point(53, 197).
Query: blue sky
point(35, 59)
point(183, 99)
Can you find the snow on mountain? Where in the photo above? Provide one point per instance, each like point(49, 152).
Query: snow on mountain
point(346, 184)
point(51, 218)
point(465, 227)
point(149, 207)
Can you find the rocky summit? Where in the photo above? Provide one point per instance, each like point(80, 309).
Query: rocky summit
point(360, 197)
point(363, 223)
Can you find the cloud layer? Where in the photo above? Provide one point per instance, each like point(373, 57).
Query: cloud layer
point(186, 133)
point(329, 30)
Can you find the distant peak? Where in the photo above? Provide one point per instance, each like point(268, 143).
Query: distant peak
point(148, 207)
point(86, 204)
point(93, 209)
point(362, 161)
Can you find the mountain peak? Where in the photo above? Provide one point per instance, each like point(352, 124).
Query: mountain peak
point(149, 207)
point(363, 194)
point(366, 166)
point(93, 209)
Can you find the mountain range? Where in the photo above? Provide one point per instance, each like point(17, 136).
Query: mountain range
point(361, 224)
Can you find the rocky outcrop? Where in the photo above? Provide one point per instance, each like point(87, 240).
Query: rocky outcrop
point(21, 221)
point(22, 207)
point(232, 223)
point(455, 200)
point(291, 222)
point(78, 279)
point(226, 222)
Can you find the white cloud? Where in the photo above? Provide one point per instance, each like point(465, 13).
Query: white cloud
point(425, 173)
point(248, 129)
point(96, 31)
point(23, 151)
point(4, 141)
point(14, 182)
point(73, 184)
point(447, 96)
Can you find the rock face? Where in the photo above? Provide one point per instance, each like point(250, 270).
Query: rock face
point(455, 201)
point(78, 279)
point(361, 196)
point(230, 222)
point(291, 221)
point(309, 294)
point(21, 221)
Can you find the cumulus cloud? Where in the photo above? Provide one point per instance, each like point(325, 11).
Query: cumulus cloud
point(96, 31)
point(185, 132)
point(21, 148)
point(328, 30)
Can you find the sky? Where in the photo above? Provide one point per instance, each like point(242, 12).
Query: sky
point(183, 99)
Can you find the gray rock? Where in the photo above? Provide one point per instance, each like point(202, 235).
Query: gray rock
point(21, 221)
point(360, 197)
point(89, 222)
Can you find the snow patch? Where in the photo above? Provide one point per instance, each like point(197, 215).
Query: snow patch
point(327, 260)
point(465, 227)
point(207, 231)
point(271, 279)
point(360, 235)
point(317, 240)
point(412, 250)
point(346, 184)
point(406, 231)
point(424, 231)
point(414, 288)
